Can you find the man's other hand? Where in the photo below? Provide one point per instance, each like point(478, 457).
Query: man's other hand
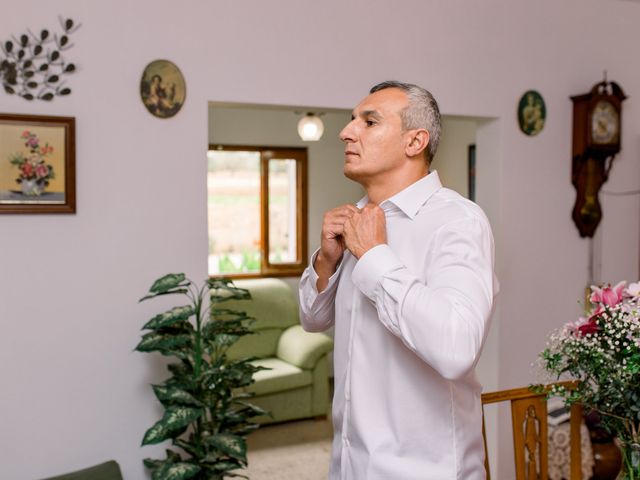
point(332, 243)
point(365, 230)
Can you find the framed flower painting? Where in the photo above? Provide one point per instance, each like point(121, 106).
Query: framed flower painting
point(37, 164)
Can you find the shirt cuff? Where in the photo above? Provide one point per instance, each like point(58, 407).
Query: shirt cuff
point(313, 275)
point(372, 266)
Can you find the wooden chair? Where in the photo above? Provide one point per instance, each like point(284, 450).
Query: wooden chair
point(529, 426)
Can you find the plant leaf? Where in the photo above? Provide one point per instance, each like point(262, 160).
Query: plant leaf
point(176, 471)
point(179, 416)
point(151, 295)
point(176, 314)
point(170, 394)
point(232, 445)
point(175, 418)
point(167, 282)
point(154, 341)
point(152, 463)
point(224, 340)
point(156, 434)
point(172, 456)
point(223, 290)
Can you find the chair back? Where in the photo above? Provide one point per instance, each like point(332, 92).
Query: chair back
point(529, 427)
point(105, 471)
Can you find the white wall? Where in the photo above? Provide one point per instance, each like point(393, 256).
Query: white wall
point(74, 393)
point(451, 160)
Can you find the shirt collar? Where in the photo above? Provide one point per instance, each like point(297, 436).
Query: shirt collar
point(411, 198)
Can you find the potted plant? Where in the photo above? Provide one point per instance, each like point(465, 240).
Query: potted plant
point(206, 417)
point(601, 351)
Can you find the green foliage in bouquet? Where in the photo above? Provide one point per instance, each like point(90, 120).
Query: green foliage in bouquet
point(205, 416)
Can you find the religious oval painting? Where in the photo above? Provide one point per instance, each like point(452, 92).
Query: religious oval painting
point(162, 88)
point(531, 113)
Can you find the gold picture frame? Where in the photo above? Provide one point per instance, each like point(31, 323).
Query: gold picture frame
point(162, 88)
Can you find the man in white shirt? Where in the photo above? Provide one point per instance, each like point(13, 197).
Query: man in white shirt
point(406, 278)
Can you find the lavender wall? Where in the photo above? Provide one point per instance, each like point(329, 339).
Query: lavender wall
point(74, 393)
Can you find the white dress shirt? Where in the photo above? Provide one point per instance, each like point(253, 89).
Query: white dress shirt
point(410, 320)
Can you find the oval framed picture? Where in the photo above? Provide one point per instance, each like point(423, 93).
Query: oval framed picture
point(162, 88)
point(531, 113)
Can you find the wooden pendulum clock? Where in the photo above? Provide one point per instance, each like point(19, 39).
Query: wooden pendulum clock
point(597, 119)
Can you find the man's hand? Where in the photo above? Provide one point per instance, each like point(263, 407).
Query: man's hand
point(332, 244)
point(365, 230)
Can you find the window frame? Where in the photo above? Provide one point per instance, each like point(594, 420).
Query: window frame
point(300, 155)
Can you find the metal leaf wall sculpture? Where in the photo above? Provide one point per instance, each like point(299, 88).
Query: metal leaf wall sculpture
point(33, 66)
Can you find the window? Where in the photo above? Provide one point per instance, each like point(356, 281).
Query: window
point(257, 211)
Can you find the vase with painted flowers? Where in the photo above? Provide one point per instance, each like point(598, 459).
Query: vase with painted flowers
point(34, 172)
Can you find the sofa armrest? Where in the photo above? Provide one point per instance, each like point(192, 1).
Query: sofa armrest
point(302, 349)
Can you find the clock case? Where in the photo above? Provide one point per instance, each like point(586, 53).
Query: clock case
point(592, 161)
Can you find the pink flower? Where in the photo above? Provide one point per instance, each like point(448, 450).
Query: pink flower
point(27, 169)
point(572, 327)
point(32, 141)
point(42, 171)
point(634, 289)
point(590, 327)
point(585, 325)
point(596, 313)
point(26, 134)
point(46, 149)
point(610, 296)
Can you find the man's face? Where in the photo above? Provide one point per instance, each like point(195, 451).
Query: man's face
point(374, 139)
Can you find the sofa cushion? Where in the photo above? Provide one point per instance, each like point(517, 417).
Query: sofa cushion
point(272, 303)
point(261, 343)
point(301, 348)
point(280, 376)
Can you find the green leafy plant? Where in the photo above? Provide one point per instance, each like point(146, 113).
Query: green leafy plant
point(205, 415)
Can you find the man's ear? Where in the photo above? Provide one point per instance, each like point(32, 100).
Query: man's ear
point(418, 141)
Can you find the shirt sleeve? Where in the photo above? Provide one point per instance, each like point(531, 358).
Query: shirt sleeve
point(441, 309)
point(317, 310)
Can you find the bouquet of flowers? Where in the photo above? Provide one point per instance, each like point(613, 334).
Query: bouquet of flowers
point(35, 173)
point(602, 352)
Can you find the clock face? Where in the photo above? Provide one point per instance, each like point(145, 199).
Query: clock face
point(605, 124)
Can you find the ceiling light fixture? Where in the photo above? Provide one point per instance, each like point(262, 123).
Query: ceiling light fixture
point(310, 127)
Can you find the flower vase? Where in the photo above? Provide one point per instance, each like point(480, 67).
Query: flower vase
point(630, 461)
point(31, 188)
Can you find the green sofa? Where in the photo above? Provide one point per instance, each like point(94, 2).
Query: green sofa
point(297, 382)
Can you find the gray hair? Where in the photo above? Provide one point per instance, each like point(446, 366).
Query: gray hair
point(422, 112)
